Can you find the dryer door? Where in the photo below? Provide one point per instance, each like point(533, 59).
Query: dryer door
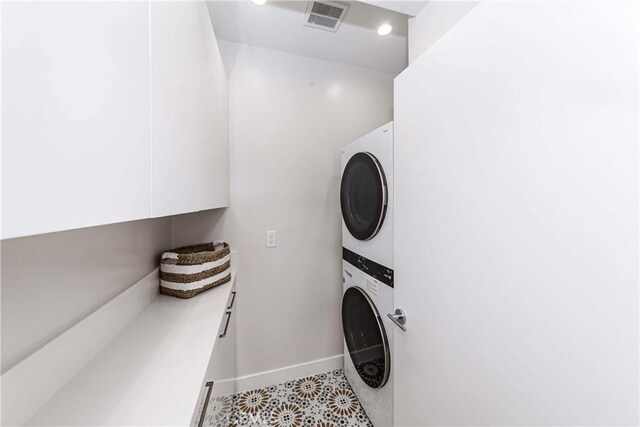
point(365, 337)
point(363, 195)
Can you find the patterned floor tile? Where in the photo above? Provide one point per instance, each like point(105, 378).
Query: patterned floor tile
point(323, 400)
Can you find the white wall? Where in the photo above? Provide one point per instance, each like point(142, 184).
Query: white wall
point(289, 118)
point(433, 22)
point(516, 237)
point(52, 280)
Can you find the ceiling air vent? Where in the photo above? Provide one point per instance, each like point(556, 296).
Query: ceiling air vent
point(325, 15)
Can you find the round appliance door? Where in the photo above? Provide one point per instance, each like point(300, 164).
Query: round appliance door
point(365, 337)
point(363, 196)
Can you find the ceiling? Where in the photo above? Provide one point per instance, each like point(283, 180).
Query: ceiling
point(411, 8)
point(279, 25)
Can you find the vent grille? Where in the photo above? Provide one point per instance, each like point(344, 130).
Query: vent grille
point(372, 287)
point(326, 10)
point(325, 15)
point(322, 21)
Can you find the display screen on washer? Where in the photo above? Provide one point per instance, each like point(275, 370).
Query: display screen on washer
point(365, 337)
point(363, 196)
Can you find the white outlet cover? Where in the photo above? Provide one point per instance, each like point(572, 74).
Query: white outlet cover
point(272, 239)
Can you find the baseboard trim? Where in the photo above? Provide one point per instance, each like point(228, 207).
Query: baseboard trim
point(224, 387)
point(288, 373)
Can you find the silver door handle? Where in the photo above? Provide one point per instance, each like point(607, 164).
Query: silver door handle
point(226, 325)
point(233, 299)
point(209, 386)
point(399, 318)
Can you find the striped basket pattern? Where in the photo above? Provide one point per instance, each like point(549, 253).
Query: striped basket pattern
point(189, 270)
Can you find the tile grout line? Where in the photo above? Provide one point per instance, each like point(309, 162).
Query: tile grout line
point(321, 400)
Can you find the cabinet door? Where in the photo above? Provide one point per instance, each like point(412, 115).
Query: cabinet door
point(214, 158)
point(516, 227)
point(189, 105)
point(219, 382)
point(75, 115)
point(222, 367)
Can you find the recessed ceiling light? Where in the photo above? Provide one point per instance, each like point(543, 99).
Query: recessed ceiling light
point(385, 29)
point(259, 2)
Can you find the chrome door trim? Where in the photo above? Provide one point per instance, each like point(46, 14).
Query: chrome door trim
point(383, 334)
point(385, 195)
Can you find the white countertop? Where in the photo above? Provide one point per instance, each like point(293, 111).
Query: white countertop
point(148, 375)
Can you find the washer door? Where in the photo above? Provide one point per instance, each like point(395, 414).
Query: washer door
point(363, 196)
point(365, 337)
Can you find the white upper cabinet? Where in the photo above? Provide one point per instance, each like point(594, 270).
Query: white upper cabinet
point(111, 112)
point(75, 115)
point(188, 110)
point(214, 162)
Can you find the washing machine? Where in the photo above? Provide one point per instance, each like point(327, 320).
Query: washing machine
point(368, 334)
point(366, 196)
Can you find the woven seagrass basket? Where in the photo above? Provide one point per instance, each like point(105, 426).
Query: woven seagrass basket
point(189, 270)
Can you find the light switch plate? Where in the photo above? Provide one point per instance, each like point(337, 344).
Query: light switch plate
point(272, 239)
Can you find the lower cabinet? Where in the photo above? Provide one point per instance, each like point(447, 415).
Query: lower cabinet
point(215, 401)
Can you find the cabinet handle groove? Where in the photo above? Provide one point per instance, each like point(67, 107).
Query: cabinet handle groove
point(206, 403)
point(233, 299)
point(226, 325)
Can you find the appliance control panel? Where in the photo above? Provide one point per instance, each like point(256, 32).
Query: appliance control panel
point(371, 268)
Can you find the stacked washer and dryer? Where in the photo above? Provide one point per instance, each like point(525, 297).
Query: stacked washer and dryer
point(366, 198)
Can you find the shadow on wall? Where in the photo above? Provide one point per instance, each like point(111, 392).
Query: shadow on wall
point(51, 281)
point(198, 227)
